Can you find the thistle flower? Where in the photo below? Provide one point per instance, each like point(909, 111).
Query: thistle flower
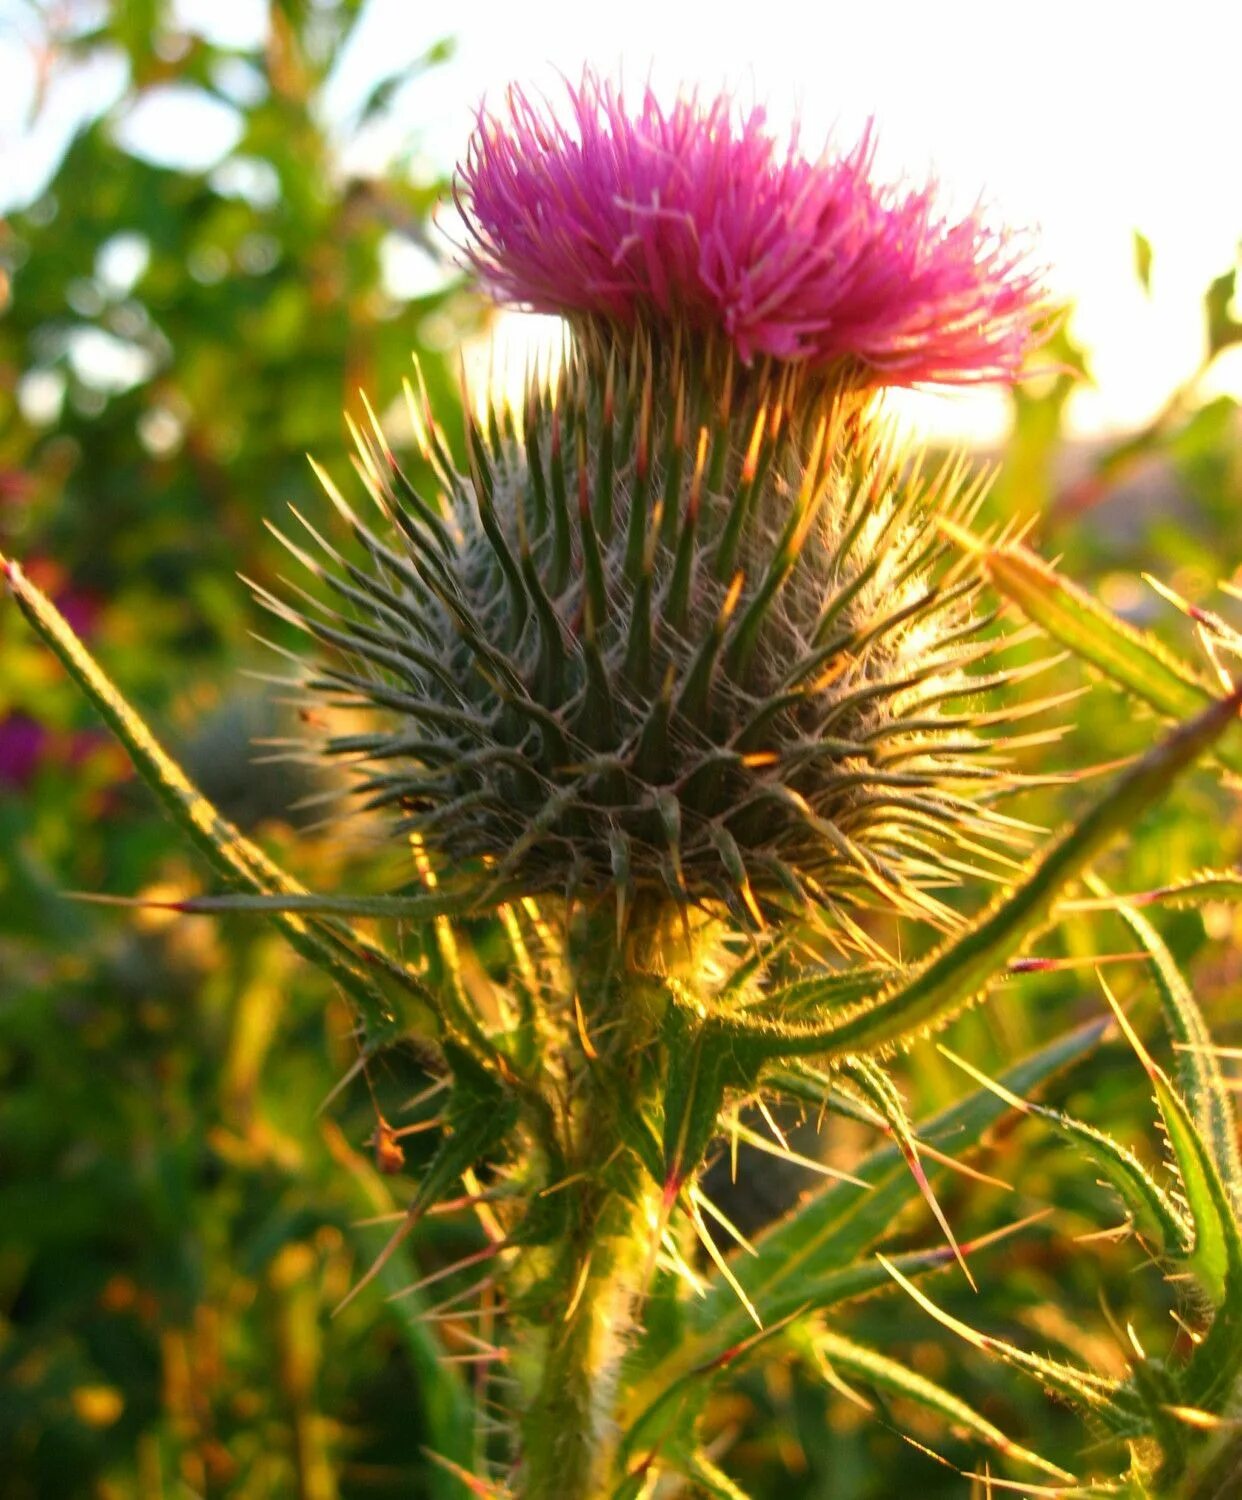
point(692, 216)
point(680, 631)
point(620, 654)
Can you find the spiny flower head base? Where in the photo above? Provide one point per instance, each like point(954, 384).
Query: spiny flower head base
point(665, 647)
point(680, 631)
point(695, 217)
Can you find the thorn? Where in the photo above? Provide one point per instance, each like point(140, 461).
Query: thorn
point(356, 1067)
point(487, 1253)
point(1234, 1054)
point(725, 1223)
point(971, 1335)
point(482, 1286)
point(579, 1288)
point(1153, 1069)
point(1205, 1421)
point(399, 1235)
point(966, 540)
point(1054, 1492)
point(671, 1259)
point(722, 1265)
point(584, 1037)
point(964, 1168)
point(925, 1188)
point(1060, 965)
point(771, 1123)
point(145, 903)
point(758, 1142)
point(473, 1483)
point(1015, 1101)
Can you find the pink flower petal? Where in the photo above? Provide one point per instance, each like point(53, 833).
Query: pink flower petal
point(696, 214)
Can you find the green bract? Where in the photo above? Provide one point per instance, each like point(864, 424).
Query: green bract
point(688, 636)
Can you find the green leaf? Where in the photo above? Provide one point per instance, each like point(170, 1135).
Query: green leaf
point(1126, 656)
point(1195, 890)
point(1217, 1255)
point(423, 907)
point(702, 1067)
point(876, 1085)
point(479, 1115)
point(810, 1260)
point(1154, 1213)
point(1106, 1399)
point(842, 1357)
point(840, 1222)
point(970, 962)
point(1199, 1073)
point(444, 1397)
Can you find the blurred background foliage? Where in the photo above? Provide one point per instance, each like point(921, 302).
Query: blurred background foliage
point(178, 1216)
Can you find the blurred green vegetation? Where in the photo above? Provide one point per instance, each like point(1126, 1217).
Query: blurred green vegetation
point(174, 1215)
point(177, 1215)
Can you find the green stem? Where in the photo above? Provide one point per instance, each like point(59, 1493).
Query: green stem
point(589, 1299)
point(570, 1427)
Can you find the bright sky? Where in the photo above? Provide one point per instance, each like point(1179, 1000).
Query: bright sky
point(1085, 120)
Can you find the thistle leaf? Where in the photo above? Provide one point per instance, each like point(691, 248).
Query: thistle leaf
point(446, 1399)
point(1154, 1213)
point(1217, 1255)
point(1106, 1399)
point(839, 1223)
point(811, 1261)
point(423, 908)
point(879, 1088)
point(1199, 1074)
point(479, 1115)
point(1126, 656)
point(968, 964)
point(1196, 890)
point(702, 1067)
point(844, 1356)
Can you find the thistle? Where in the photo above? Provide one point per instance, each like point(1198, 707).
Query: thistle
point(678, 690)
point(680, 631)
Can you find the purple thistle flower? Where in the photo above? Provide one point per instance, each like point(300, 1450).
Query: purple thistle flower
point(697, 216)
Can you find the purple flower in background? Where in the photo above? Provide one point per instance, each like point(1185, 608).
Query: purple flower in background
point(698, 216)
point(81, 608)
point(23, 744)
point(26, 743)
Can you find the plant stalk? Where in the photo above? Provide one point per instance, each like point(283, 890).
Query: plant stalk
point(591, 1297)
point(570, 1429)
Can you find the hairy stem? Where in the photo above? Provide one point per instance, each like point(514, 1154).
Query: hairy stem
point(590, 1297)
point(570, 1429)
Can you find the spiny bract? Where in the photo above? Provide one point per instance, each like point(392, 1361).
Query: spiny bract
point(684, 635)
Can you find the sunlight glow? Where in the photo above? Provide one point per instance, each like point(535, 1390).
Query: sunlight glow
point(1083, 123)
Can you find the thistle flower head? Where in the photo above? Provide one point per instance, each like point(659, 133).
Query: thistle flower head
point(696, 216)
point(679, 630)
